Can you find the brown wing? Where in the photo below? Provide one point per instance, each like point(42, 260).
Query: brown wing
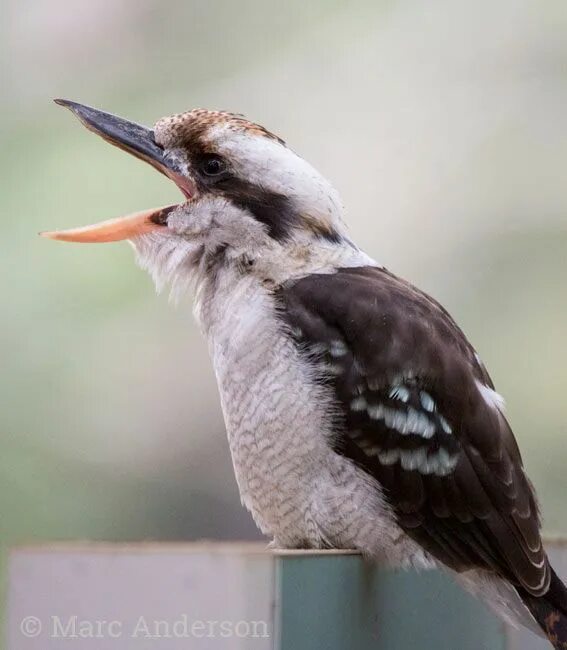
point(414, 416)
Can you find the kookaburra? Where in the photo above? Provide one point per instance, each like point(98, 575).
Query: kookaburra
point(358, 414)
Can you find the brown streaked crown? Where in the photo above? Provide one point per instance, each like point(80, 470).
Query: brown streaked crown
point(183, 129)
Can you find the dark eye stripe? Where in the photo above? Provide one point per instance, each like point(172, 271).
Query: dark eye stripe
point(276, 211)
point(270, 208)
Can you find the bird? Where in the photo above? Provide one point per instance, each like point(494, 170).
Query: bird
point(358, 414)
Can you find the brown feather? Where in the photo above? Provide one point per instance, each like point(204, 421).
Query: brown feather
point(476, 509)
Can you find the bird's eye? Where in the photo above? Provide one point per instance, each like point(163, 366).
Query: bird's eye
point(212, 165)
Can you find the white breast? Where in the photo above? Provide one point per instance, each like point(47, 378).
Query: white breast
point(274, 413)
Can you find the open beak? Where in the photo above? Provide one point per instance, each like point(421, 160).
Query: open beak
point(140, 142)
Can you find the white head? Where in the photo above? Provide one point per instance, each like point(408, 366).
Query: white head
point(250, 200)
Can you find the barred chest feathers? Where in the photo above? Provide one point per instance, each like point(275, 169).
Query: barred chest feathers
point(279, 420)
point(274, 414)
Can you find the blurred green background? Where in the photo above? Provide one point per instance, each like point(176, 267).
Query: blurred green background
point(444, 126)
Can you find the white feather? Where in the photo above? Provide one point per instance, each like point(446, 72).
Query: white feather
point(491, 397)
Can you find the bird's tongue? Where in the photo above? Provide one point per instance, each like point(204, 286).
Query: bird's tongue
point(128, 227)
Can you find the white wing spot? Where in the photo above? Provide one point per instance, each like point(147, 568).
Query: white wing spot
point(395, 419)
point(441, 463)
point(419, 423)
point(399, 392)
point(405, 423)
point(427, 401)
point(491, 397)
point(415, 459)
point(447, 463)
point(445, 425)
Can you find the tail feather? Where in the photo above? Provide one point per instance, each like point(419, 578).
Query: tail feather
point(550, 611)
